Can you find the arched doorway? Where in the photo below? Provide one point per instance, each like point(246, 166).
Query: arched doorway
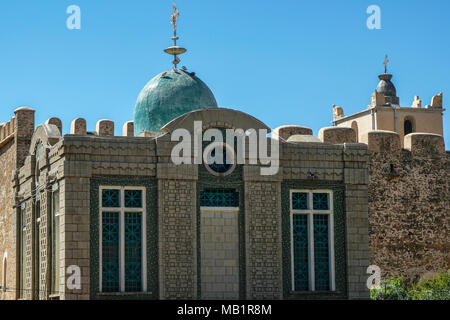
point(408, 126)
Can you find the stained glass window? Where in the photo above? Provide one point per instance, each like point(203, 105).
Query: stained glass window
point(299, 201)
point(219, 198)
point(320, 201)
point(321, 252)
point(133, 198)
point(110, 252)
point(312, 242)
point(300, 243)
point(133, 252)
point(111, 198)
point(123, 232)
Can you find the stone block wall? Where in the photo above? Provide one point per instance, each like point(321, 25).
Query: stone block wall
point(356, 180)
point(177, 234)
point(409, 206)
point(263, 235)
point(7, 219)
point(219, 254)
point(15, 137)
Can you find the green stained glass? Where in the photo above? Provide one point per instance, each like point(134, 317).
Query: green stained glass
point(300, 243)
point(321, 201)
point(133, 198)
point(110, 252)
point(133, 252)
point(299, 201)
point(219, 198)
point(321, 252)
point(111, 198)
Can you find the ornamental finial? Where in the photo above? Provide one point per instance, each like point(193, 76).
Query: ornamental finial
point(175, 50)
point(386, 61)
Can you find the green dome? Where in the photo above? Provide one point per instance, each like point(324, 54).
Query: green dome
point(168, 96)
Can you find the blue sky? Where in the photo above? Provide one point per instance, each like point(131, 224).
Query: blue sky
point(284, 62)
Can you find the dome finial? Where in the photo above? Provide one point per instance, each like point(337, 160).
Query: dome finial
point(385, 62)
point(175, 50)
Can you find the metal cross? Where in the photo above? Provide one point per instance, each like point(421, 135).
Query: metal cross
point(386, 61)
point(173, 19)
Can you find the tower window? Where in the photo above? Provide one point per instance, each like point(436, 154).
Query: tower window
point(408, 127)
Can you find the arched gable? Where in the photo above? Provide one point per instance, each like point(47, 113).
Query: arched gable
point(45, 134)
point(210, 118)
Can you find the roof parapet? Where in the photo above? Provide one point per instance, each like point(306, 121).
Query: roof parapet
point(284, 132)
point(424, 144)
point(382, 141)
point(337, 135)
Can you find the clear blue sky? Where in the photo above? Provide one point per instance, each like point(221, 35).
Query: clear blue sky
point(284, 62)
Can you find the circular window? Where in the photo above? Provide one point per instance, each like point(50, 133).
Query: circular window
point(220, 164)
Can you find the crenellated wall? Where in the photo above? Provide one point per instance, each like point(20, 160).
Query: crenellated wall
point(409, 203)
point(15, 137)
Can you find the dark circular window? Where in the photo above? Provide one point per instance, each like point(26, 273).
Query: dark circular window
point(219, 164)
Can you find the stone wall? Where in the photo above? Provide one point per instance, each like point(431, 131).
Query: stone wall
point(7, 219)
point(15, 137)
point(409, 205)
point(177, 239)
point(219, 242)
point(263, 235)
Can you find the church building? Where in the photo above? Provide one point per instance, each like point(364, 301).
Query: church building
point(91, 215)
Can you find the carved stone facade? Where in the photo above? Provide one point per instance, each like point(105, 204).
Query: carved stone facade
point(389, 206)
point(75, 167)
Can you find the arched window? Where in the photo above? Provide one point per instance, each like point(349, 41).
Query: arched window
point(408, 127)
point(355, 127)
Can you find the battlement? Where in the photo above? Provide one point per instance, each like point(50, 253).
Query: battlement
point(425, 144)
point(21, 125)
point(419, 144)
point(284, 132)
point(337, 135)
point(103, 128)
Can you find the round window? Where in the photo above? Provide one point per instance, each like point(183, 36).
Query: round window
point(219, 159)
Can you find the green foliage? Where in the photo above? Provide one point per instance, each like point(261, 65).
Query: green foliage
point(393, 289)
point(435, 288)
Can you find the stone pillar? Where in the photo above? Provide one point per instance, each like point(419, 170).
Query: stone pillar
point(177, 211)
point(24, 127)
point(75, 228)
point(356, 179)
point(263, 234)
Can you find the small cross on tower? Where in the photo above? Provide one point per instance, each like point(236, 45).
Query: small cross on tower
point(386, 61)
